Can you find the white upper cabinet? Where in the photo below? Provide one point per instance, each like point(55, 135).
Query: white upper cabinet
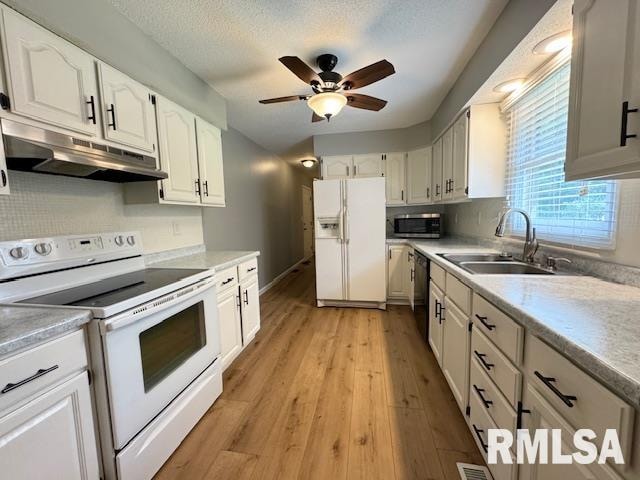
point(338, 166)
point(447, 164)
point(178, 152)
point(436, 170)
point(395, 181)
point(369, 165)
point(49, 79)
point(419, 176)
point(605, 76)
point(127, 110)
point(458, 184)
point(210, 163)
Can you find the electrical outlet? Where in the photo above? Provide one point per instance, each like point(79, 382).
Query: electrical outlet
point(175, 228)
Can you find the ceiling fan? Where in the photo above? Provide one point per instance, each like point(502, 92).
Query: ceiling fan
point(331, 90)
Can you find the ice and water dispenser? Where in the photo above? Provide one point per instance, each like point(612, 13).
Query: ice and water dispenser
point(328, 227)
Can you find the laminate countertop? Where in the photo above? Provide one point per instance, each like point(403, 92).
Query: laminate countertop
point(210, 260)
point(22, 327)
point(593, 322)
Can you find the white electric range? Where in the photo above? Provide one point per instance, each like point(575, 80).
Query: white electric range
point(154, 341)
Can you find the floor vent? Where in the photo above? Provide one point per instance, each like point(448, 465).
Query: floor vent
point(473, 472)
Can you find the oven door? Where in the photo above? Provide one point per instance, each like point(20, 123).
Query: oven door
point(155, 351)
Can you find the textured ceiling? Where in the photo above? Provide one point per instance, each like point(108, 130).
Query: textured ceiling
point(234, 46)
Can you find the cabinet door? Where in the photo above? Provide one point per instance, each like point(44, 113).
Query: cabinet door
point(230, 325)
point(368, 166)
point(4, 174)
point(397, 268)
point(395, 183)
point(128, 116)
point(436, 178)
point(210, 163)
point(419, 176)
point(460, 157)
point(605, 72)
point(49, 79)
point(455, 353)
point(411, 273)
point(436, 319)
point(178, 152)
point(447, 164)
point(337, 167)
point(52, 436)
point(250, 309)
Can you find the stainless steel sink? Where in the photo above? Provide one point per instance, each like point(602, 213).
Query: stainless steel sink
point(504, 268)
point(477, 257)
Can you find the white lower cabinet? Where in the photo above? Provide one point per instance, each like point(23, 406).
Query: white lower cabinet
point(436, 307)
point(230, 325)
point(398, 271)
point(250, 304)
point(455, 352)
point(52, 436)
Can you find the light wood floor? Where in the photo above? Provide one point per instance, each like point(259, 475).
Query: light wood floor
point(327, 393)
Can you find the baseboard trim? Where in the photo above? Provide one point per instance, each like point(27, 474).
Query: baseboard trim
point(275, 281)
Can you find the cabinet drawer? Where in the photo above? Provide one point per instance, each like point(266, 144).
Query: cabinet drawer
point(494, 402)
point(226, 279)
point(506, 334)
point(248, 268)
point(480, 423)
point(497, 367)
point(594, 407)
point(438, 275)
point(46, 364)
point(459, 293)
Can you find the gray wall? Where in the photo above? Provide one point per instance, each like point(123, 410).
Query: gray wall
point(97, 27)
point(264, 206)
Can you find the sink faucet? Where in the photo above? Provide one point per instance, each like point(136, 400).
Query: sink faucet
point(530, 241)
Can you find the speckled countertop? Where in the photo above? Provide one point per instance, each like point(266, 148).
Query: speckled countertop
point(593, 322)
point(22, 327)
point(210, 259)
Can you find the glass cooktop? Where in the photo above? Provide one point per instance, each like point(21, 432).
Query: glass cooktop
point(111, 291)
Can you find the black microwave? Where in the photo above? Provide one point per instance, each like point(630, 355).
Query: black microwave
point(419, 225)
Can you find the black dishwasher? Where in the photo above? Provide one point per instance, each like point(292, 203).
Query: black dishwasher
point(421, 294)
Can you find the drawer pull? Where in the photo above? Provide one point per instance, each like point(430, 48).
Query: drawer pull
point(251, 269)
point(12, 386)
point(246, 297)
point(228, 280)
point(549, 382)
point(483, 320)
point(521, 410)
point(479, 432)
point(485, 402)
point(484, 363)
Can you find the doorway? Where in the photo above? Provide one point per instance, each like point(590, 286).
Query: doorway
point(307, 221)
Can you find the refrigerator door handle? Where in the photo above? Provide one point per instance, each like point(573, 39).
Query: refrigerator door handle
point(346, 225)
point(341, 226)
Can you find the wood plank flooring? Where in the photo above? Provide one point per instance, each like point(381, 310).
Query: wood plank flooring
point(327, 393)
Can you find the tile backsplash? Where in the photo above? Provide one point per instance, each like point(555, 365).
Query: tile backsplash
point(47, 205)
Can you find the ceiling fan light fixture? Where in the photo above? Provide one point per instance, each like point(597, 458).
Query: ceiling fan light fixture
point(308, 162)
point(553, 44)
point(327, 104)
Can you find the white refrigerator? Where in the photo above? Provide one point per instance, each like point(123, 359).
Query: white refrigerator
point(350, 230)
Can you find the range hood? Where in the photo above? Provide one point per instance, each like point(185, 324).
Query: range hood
point(35, 149)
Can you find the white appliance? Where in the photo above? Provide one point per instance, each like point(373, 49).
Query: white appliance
point(350, 240)
point(154, 340)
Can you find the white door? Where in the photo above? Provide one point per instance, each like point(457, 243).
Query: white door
point(605, 72)
point(460, 157)
point(250, 301)
point(395, 172)
point(397, 272)
point(419, 176)
point(210, 163)
point(230, 325)
point(52, 436)
point(365, 239)
point(128, 115)
point(339, 166)
point(436, 319)
point(178, 152)
point(436, 180)
point(455, 353)
point(447, 164)
point(49, 79)
point(4, 174)
point(369, 165)
point(307, 221)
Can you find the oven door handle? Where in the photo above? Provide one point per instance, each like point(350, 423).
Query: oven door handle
point(135, 314)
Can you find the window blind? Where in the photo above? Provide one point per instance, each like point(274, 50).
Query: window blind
point(578, 213)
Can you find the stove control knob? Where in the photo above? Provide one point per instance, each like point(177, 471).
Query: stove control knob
point(43, 249)
point(131, 240)
point(119, 240)
point(18, 252)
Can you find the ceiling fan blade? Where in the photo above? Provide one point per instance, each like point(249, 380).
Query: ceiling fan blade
point(316, 118)
point(368, 75)
point(283, 99)
point(358, 100)
point(300, 69)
